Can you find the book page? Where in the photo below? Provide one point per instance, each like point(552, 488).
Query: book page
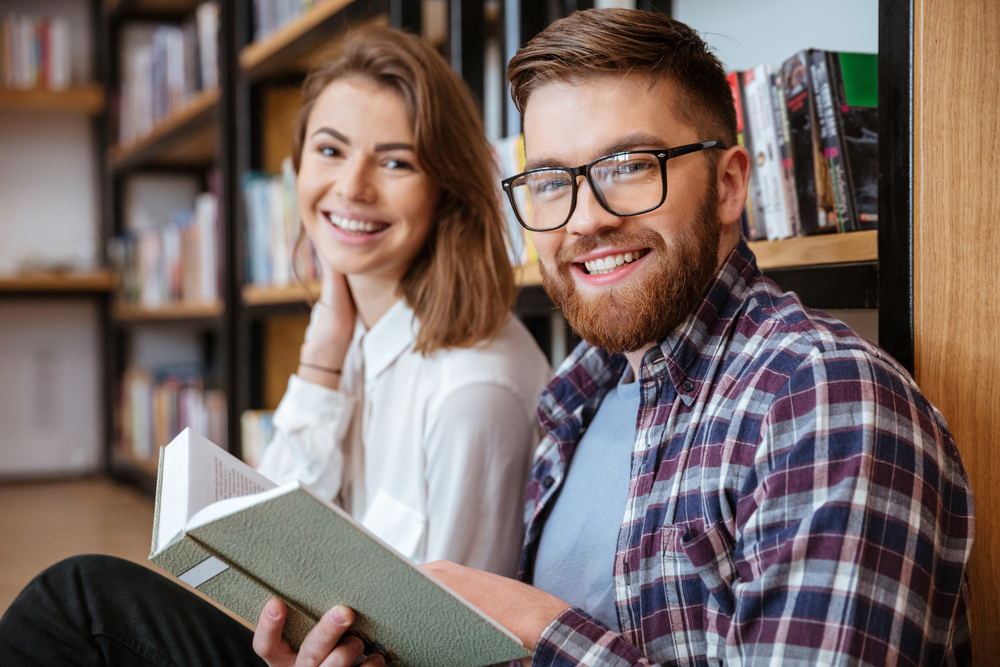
point(196, 474)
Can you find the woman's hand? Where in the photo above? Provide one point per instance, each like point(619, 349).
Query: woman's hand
point(322, 356)
point(324, 645)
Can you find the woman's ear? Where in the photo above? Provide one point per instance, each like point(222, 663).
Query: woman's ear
point(733, 174)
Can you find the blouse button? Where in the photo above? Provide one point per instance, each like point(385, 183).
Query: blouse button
point(548, 481)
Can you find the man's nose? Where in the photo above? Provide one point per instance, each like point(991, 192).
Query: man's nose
point(589, 217)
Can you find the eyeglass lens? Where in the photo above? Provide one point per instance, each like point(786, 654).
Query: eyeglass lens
point(626, 183)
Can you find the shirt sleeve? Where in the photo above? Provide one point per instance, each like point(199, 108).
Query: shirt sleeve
point(479, 443)
point(309, 429)
point(853, 532)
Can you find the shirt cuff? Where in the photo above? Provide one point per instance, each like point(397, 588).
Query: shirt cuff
point(306, 404)
point(575, 637)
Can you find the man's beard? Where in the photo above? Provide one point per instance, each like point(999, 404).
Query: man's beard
point(625, 318)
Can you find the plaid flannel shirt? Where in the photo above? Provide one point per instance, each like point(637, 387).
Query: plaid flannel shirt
point(793, 497)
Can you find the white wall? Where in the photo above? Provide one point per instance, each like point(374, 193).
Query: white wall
point(746, 33)
point(50, 390)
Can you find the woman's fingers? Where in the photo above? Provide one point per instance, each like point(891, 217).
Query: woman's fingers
point(267, 640)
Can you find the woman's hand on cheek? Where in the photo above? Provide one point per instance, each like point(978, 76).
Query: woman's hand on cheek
point(322, 356)
point(324, 645)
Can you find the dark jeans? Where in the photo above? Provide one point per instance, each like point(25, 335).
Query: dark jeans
point(99, 610)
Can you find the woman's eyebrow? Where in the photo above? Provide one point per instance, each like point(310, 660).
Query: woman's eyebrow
point(395, 146)
point(333, 133)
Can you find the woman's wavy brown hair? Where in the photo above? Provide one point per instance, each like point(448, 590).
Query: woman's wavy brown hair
point(461, 285)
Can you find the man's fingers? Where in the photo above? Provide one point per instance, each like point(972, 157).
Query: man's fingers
point(267, 640)
point(323, 645)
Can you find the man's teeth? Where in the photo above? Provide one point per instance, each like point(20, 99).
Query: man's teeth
point(352, 225)
point(610, 263)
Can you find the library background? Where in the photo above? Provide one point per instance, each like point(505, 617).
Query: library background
point(147, 207)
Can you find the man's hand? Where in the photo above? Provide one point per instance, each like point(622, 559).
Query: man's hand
point(524, 610)
point(322, 646)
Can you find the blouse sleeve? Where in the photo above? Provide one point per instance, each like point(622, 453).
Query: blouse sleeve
point(309, 429)
point(479, 445)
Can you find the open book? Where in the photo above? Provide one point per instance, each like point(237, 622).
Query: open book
point(230, 532)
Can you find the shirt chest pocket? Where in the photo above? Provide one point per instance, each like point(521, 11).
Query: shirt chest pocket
point(698, 576)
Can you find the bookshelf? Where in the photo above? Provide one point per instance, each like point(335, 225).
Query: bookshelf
point(51, 282)
point(85, 99)
point(186, 139)
point(175, 312)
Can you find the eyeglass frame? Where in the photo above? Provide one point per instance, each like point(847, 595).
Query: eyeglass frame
point(662, 155)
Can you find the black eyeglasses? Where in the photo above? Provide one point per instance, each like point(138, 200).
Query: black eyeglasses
point(629, 183)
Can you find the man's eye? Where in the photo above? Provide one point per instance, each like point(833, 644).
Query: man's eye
point(551, 185)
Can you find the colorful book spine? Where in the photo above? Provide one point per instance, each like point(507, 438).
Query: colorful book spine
point(831, 139)
point(854, 80)
point(784, 148)
point(759, 116)
point(753, 226)
point(35, 52)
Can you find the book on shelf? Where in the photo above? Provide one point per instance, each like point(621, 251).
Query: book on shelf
point(854, 85)
point(225, 529)
point(154, 405)
point(178, 262)
point(269, 15)
point(273, 227)
point(509, 155)
point(811, 175)
point(753, 226)
point(784, 139)
point(256, 429)
point(759, 118)
point(163, 66)
point(35, 52)
point(831, 140)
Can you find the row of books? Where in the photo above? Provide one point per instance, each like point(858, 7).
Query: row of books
point(256, 429)
point(811, 127)
point(509, 154)
point(269, 15)
point(178, 262)
point(155, 405)
point(273, 224)
point(35, 52)
point(164, 65)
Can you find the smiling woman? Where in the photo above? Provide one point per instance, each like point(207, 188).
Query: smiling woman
point(414, 405)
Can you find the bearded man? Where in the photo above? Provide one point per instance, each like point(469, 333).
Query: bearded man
point(728, 477)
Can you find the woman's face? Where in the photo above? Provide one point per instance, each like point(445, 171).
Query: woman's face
point(366, 201)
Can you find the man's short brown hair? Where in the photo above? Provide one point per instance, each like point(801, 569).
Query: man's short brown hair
point(629, 41)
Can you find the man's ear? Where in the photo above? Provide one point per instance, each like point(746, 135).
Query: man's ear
point(733, 174)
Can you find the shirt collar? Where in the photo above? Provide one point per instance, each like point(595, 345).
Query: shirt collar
point(391, 336)
point(683, 357)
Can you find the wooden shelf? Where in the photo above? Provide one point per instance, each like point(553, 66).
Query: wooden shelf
point(57, 282)
point(186, 139)
point(134, 312)
point(150, 8)
point(85, 99)
point(817, 250)
point(288, 49)
point(255, 295)
point(528, 275)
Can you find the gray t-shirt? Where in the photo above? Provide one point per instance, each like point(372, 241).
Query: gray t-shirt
point(576, 553)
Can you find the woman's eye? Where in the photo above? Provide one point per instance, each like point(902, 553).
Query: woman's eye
point(398, 164)
point(328, 151)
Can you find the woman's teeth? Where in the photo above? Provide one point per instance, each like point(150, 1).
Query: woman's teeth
point(352, 225)
point(611, 262)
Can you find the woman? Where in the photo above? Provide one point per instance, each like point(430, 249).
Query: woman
point(414, 401)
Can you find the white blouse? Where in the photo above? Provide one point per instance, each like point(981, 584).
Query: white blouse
point(431, 454)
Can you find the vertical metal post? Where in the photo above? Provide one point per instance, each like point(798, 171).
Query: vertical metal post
point(895, 180)
point(467, 41)
point(405, 15)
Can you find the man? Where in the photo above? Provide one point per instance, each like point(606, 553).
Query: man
point(773, 489)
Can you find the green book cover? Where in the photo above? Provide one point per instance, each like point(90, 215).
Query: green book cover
point(286, 542)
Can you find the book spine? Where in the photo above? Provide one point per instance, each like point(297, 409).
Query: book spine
point(750, 223)
point(795, 81)
point(857, 120)
point(831, 140)
point(767, 159)
point(784, 148)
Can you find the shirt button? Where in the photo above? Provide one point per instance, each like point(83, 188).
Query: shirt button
point(548, 481)
point(688, 385)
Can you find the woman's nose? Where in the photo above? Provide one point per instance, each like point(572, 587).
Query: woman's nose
point(355, 182)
